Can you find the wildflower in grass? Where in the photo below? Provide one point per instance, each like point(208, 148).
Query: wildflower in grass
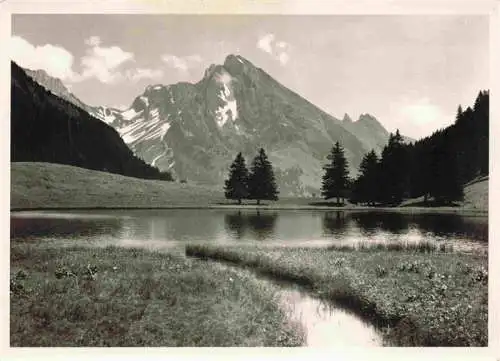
point(380, 271)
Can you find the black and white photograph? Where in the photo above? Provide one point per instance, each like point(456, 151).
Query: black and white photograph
point(239, 179)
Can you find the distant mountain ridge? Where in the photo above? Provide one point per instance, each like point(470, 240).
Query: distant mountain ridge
point(195, 130)
point(47, 128)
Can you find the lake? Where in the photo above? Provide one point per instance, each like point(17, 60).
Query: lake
point(287, 228)
point(323, 324)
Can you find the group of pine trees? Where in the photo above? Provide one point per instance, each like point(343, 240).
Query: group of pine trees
point(258, 184)
point(434, 167)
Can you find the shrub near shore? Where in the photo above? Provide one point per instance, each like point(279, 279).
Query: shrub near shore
point(72, 296)
point(419, 299)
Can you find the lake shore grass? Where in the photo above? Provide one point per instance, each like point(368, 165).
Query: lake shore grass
point(45, 186)
point(83, 296)
point(417, 299)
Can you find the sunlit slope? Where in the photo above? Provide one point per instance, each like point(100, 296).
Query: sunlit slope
point(46, 185)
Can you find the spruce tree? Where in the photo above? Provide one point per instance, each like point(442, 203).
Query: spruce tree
point(394, 167)
point(236, 186)
point(367, 184)
point(335, 180)
point(261, 182)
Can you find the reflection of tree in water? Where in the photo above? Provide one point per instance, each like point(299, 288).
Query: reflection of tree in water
point(235, 224)
point(367, 223)
point(448, 224)
point(394, 222)
point(334, 222)
point(262, 224)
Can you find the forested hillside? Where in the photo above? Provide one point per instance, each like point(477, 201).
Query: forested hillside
point(436, 167)
point(46, 128)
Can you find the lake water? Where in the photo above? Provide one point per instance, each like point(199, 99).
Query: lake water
point(175, 228)
point(324, 324)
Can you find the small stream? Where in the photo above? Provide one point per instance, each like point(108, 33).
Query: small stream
point(324, 324)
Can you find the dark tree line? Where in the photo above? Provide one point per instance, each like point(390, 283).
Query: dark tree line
point(258, 184)
point(437, 166)
point(46, 128)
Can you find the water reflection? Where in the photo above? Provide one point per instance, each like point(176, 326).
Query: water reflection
point(262, 225)
point(34, 227)
point(259, 225)
point(454, 224)
point(287, 228)
point(396, 223)
point(367, 225)
point(324, 324)
point(334, 223)
point(235, 224)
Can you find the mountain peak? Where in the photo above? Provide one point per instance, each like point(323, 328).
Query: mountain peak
point(235, 58)
point(347, 118)
point(211, 70)
point(368, 118)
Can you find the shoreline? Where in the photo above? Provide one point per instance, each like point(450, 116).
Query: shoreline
point(384, 291)
point(45, 186)
point(277, 207)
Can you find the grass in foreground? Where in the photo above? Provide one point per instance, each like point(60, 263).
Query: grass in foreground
point(421, 247)
point(128, 297)
point(433, 299)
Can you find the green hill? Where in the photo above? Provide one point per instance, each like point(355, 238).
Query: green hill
point(47, 185)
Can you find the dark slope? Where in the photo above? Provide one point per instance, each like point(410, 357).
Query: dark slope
point(46, 128)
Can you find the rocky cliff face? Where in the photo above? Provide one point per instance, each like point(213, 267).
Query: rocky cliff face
point(195, 130)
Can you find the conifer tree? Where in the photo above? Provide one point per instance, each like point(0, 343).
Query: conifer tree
point(394, 170)
point(262, 182)
point(335, 180)
point(367, 184)
point(236, 186)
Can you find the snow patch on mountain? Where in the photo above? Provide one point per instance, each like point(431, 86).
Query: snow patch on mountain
point(130, 114)
point(145, 100)
point(160, 132)
point(229, 107)
point(153, 163)
point(154, 115)
point(108, 119)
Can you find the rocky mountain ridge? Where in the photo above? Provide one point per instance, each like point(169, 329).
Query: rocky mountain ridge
point(195, 130)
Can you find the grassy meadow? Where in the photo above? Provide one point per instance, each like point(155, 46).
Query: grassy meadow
point(417, 297)
point(47, 186)
point(81, 296)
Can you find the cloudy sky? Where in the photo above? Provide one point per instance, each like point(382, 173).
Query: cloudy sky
point(409, 71)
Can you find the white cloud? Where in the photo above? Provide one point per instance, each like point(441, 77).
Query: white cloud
point(102, 62)
point(283, 58)
point(182, 63)
point(421, 112)
point(264, 43)
point(143, 73)
point(55, 60)
point(281, 44)
point(418, 116)
point(93, 41)
point(99, 62)
point(279, 50)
